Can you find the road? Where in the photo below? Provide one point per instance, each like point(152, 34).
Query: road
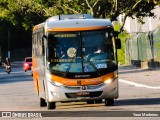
point(138, 91)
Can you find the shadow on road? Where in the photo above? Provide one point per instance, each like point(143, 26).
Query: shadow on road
point(138, 101)
point(121, 103)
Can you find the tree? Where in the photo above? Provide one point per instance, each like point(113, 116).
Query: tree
point(31, 12)
point(19, 16)
point(23, 14)
point(111, 8)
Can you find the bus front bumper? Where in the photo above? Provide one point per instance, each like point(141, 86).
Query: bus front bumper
point(76, 93)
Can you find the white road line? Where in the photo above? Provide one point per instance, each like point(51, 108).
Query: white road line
point(138, 85)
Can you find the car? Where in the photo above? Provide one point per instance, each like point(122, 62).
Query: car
point(27, 63)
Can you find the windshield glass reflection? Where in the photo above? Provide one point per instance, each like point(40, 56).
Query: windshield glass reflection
point(75, 52)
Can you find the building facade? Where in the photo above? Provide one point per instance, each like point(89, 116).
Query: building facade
point(132, 26)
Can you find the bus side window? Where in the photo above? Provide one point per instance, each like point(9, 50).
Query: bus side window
point(43, 39)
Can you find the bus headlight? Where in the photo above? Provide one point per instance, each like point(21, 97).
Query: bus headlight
point(54, 82)
point(57, 83)
point(108, 81)
point(49, 78)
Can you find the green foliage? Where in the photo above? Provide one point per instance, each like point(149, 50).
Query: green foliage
point(116, 25)
point(22, 15)
point(123, 36)
point(121, 52)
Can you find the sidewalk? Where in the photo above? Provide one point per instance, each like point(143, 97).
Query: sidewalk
point(150, 77)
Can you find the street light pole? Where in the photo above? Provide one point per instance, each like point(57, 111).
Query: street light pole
point(9, 44)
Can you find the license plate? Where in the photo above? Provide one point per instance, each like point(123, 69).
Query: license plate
point(101, 66)
point(83, 93)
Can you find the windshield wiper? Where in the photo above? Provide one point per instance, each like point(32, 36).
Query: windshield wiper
point(92, 64)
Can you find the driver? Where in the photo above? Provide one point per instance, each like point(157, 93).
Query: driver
point(99, 49)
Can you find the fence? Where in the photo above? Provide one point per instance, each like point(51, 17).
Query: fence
point(143, 49)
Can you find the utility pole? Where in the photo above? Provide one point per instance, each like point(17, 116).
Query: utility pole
point(9, 44)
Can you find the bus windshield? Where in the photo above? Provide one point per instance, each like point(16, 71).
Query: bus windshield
point(79, 52)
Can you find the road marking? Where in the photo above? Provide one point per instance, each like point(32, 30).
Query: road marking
point(137, 84)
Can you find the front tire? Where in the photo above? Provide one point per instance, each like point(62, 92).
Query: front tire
point(109, 102)
point(51, 105)
point(43, 102)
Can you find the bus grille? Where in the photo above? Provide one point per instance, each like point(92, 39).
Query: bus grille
point(91, 95)
point(88, 87)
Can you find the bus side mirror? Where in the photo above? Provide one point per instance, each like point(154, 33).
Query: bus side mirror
point(118, 43)
point(44, 37)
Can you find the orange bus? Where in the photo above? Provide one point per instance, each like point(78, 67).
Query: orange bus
point(75, 59)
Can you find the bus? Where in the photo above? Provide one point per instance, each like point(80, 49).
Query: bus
point(74, 58)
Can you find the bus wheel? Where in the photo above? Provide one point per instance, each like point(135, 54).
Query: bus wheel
point(98, 101)
point(43, 102)
point(51, 105)
point(90, 102)
point(109, 102)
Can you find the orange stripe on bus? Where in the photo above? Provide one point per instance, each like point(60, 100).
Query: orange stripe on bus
point(36, 75)
point(77, 29)
point(77, 82)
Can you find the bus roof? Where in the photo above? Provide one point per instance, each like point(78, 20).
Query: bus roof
point(74, 23)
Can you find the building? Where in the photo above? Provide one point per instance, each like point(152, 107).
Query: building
point(132, 26)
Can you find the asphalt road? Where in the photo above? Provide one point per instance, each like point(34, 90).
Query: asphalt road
point(139, 91)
